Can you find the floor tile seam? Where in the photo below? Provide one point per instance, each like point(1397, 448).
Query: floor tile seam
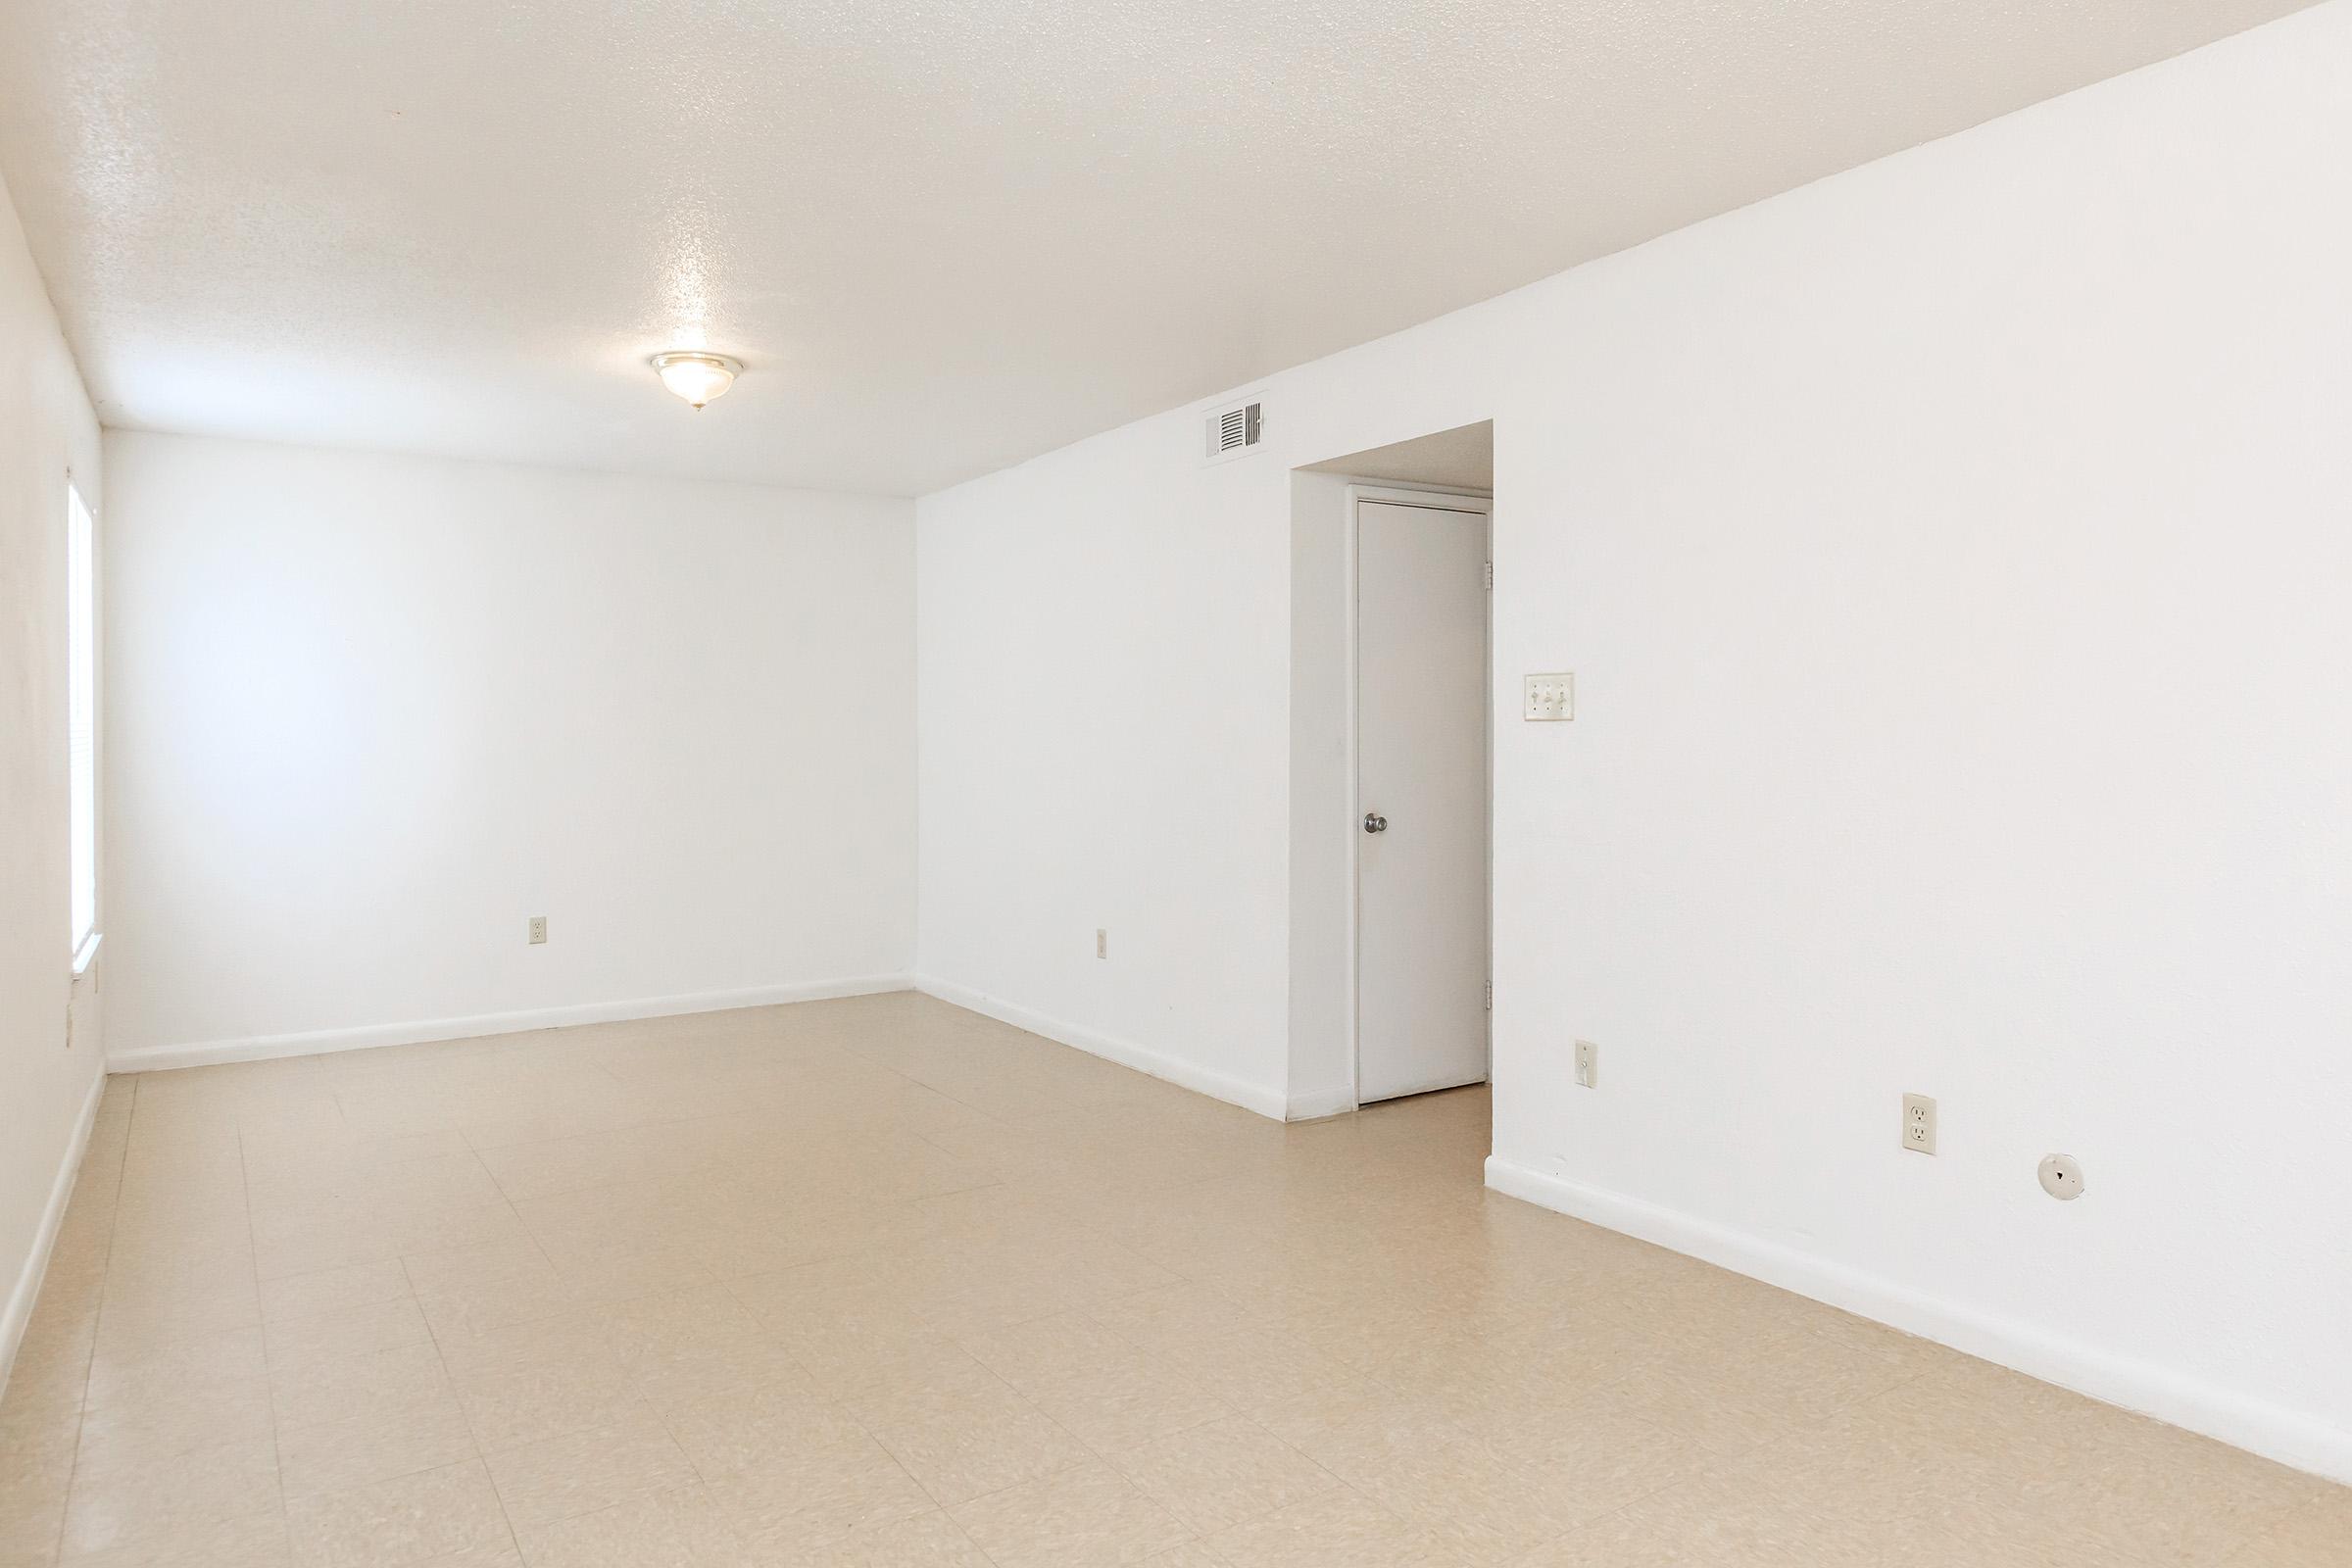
point(1003, 1384)
point(670, 1431)
point(1094, 1457)
point(630, 1495)
point(2241, 1551)
point(98, 1327)
point(478, 1150)
point(1594, 1523)
point(1152, 1360)
point(1647, 1492)
point(277, 1467)
point(1131, 1341)
point(841, 1407)
point(344, 1110)
point(1278, 1439)
point(1534, 1472)
point(565, 1138)
point(1884, 1397)
point(2313, 1507)
point(832, 1404)
point(473, 1440)
point(1055, 1104)
point(64, 1506)
point(954, 1191)
point(1893, 1356)
point(703, 1479)
point(76, 1473)
point(986, 1555)
point(1783, 1334)
point(1226, 1412)
point(537, 1246)
point(912, 1081)
point(1845, 1511)
point(381, 1481)
point(1630, 1375)
point(511, 1197)
point(1027, 1404)
point(925, 1136)
point(2238, 1546)
point(1374, 1504)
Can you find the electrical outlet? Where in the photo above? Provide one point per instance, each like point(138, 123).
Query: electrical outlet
point(1588, 1064)
point(1551, 697)
point(1102, 943)
point(1919, 1124)
point(538, 928)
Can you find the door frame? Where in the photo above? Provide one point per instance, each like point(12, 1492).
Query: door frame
point(1436, 498)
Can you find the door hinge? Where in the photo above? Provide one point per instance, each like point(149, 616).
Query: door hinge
point(1490, 996)
point(1490, 574)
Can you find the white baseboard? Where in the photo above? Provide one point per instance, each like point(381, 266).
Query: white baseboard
point(262, 1048)
point(27, 1288)
point(1317, 1104)
point(1268, 1103)
point(2287, 1435)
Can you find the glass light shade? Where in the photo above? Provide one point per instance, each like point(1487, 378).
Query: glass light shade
point(697, 378)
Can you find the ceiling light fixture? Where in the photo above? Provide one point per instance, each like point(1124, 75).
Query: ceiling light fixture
point(697, 378)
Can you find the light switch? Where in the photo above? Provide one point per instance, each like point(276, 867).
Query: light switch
point(1551, 697)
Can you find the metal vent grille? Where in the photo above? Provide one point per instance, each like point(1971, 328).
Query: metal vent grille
point(1235, 430)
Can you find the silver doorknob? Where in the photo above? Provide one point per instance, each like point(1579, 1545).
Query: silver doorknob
point(1374, 822)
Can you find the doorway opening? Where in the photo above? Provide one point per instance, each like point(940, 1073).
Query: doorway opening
point(1391, 798)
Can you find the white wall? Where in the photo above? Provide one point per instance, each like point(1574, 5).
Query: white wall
point(1954, 559)
point(1104, 644)
point(50, 1058)
point(370, 714)
point(1086, 643)
point(1321, 1060)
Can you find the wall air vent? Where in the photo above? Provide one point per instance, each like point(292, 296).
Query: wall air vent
point(1233, 430)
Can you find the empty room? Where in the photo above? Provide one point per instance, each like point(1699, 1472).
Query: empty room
point(951, 784)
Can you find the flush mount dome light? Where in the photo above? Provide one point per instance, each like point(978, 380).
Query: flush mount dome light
point(696, 377)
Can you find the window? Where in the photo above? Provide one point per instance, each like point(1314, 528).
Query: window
point(81, 725)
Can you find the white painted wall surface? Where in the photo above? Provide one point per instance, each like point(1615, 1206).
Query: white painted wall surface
point(1954, 556)
point(1105, 647)
point(1086, 645)
point(1323, 823)
point(51, 1058)
point(371, 714)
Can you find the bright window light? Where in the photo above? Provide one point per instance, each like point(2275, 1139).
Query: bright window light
point(82, 721)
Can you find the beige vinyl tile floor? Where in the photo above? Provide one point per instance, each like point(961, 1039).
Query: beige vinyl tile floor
point(881, 1282)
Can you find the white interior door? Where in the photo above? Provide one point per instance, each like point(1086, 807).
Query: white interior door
point(1421, 787)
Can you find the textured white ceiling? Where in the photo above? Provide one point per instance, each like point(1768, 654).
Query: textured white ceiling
point(944, 234)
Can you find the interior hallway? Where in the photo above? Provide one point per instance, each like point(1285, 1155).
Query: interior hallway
point(881, 1282)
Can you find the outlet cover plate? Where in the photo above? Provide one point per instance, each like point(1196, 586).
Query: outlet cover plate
point(1919, 1124)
